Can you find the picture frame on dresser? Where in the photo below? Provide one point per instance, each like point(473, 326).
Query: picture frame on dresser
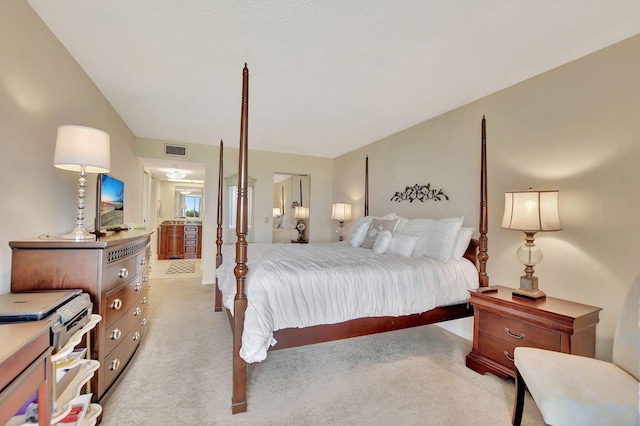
point(502, 322)
point(114, 271)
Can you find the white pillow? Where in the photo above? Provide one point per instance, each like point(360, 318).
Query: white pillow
point(276, 222)
point(383, 242)
point(287, 222)
point(462, 242)
point(377, 226)
point(402, 245)
point(359, 231)
point(420, 228)
point(442, 238)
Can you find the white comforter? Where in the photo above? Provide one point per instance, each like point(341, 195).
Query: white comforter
point(300, 285)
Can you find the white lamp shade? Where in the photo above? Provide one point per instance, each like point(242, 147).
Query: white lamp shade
point(78, 146)
point(532, 211)
point(341, 212)
point(301, 212)
point(276, 211)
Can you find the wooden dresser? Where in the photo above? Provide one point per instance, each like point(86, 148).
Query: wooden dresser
point(503, 322)
point(115, 273)
point(179, 240)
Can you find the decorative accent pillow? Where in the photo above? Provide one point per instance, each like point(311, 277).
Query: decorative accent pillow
point(383, 242)
point(359, 231)
point(402, 245)
point(442, 238)
point(377, 226)
point(462, 242)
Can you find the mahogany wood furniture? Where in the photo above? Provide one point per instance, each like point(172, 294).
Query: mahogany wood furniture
point(503, 322)
point(477, 253)
point(115, 273)
point(25, 368)
point(179, 240)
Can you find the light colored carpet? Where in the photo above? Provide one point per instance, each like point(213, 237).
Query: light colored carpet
point(181, 376)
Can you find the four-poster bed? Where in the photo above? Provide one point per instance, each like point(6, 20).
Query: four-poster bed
point(476, 253)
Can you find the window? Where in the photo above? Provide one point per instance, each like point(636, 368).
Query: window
point(192, 204)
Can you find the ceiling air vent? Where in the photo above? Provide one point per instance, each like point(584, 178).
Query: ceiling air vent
point(175, 150)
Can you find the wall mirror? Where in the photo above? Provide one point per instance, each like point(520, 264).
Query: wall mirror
point(232, 201)
point(291, 202)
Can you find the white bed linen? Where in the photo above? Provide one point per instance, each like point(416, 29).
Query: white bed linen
point(300, 285)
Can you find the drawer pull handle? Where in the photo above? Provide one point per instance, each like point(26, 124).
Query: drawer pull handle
point(137, 312)
point(136, 335)
point(145, 278)
point(144, 300)
point(116, 304)
point(115, 364)
point(138, 287)
point(143, 322)
point(521, 336)
point(124, 273)
point(143, 261)
point(508, 357)
point(116, 333)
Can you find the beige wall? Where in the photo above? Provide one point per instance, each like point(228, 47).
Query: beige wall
point(41, 88)
point(575, 129)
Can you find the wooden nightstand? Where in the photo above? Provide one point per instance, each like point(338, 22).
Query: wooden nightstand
point(502, 322)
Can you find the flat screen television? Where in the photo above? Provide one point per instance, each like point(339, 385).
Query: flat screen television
point(110, 204)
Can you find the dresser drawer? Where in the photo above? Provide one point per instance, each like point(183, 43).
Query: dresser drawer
point(518, 332)
point(121, 272)
point(117, 360)
point(123, 298)
point(119, 329)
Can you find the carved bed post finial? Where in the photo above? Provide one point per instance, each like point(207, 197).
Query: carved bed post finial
point(218, 297)
point(239, 402)
point(484, 218)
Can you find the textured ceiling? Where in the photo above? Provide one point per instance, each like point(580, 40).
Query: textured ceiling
point(326, 77)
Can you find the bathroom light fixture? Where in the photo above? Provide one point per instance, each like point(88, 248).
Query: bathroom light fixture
point(85, 150)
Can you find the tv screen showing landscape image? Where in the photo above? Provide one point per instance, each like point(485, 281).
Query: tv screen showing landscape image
point(111, 202)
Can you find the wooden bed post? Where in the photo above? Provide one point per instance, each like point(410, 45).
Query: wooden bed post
point(484, 218)
point(218, 300)
point(239, 400)
point(366, 186)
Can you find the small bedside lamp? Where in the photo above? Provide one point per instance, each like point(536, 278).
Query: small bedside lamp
point(342, 213)
point(84, 150)
point(530, 212)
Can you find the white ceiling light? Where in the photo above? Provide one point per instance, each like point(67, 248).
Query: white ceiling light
point(176, 174)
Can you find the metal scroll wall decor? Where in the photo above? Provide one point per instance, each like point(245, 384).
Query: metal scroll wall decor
point(421, 193)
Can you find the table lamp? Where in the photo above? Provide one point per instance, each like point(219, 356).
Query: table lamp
point(530, 212)
point(342, 213)
point(84, 150)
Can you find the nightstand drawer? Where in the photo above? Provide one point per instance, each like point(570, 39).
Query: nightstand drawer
point(517, 332)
